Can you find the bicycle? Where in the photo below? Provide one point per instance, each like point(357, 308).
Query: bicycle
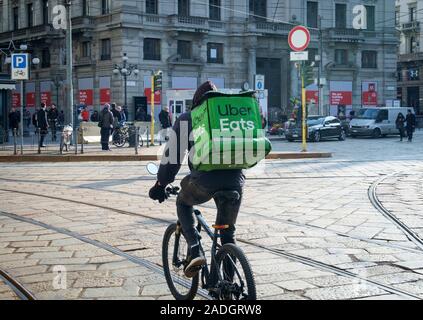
point(222, 279)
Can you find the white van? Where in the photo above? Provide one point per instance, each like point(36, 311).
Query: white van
point(376, 122)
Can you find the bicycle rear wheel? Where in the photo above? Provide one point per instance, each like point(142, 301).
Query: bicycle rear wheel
point(181, 287)
point(235, 277)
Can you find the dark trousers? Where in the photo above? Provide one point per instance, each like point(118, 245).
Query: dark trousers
point(105, 136)
point(410, 132)
point(53, 130)
point(192, 193)
point(43, 133)
point(402, 133)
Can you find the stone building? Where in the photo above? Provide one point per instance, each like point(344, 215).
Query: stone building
point(408, 16)
point(227, 41)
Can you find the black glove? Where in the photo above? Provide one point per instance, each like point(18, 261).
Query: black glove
point(158, 193)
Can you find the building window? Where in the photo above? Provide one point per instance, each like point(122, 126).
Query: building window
point(258, 9)
point(86, 49)
point(30, 15)
point(45, 12)
point(371, 18)
point(105, 6)
point(85, 7)
point(45, 58)
point(412, 13)
point(341, 57)
point(412, 45)
point(15, 13)
point(369, 59)
point(312, 14)
point(106, 49)
point(341, 15)
point(183, 8)
point(151, 6)
point(397, 16)
point(215, 53)
point(152, 49)
point(185, 49)
point(214, 10)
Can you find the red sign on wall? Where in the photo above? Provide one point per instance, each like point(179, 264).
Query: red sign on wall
point(340, 98)
point(46, 98)
point(369, 94)
point(16, 100)
point(86, 97)
point(157, 96)
point(30, 100)
point(312, 96)
point(104, 96)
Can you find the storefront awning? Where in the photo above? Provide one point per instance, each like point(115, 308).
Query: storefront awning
point(7, 86)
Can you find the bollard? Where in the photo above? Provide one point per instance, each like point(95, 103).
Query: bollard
point(148, 139)
point(76, 140)
point(82, 139)
point(15, 151)
point(137, 139)
point(39, 140)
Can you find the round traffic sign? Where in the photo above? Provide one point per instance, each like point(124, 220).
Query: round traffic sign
point(299, 38)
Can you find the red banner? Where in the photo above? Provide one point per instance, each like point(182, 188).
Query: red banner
point(46, 98)
point(157, 96)
point(341, 98)
point(86, 97)
point(369, 94)
point(16, 100)
point(312, 96)
point(30, 100)
point(104, 96)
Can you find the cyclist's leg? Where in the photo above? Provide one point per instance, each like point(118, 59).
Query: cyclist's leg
point(227, 214)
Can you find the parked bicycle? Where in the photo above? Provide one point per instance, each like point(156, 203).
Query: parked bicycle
point(229, 275)
point(121, 136)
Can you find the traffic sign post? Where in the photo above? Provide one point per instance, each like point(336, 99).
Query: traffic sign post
point(20, 71)
point(259, 82)
point(299, 40)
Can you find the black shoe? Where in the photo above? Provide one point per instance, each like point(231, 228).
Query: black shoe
point(195, 262)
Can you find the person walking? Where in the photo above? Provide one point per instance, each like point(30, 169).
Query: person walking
point(400, 123)
point(14, 120)
point(106, 125)
point(85, 114)
point(42, 124)
point(95, 116)
point(165, 122)
point(53, 115)
point(411, 124)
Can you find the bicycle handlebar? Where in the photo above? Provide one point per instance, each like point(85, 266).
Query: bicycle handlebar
point(174, 191)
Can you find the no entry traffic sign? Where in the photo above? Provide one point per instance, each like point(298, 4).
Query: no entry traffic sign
point(299, 38)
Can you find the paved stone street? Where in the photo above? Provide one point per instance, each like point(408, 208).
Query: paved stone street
point(309, 227)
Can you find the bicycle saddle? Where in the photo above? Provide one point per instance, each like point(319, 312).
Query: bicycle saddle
point(227, 195)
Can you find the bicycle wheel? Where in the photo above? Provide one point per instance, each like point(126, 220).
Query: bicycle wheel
point(119, 140)
point(181, 287)
point(235, 277)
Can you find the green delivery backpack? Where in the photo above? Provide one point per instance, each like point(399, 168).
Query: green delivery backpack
point(227, 132)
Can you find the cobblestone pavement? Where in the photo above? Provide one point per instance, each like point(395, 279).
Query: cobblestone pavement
point(307, 226)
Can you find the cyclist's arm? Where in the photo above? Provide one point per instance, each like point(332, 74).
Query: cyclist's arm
point(175, 150)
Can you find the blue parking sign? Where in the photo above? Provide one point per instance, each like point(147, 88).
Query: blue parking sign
point(20, 70)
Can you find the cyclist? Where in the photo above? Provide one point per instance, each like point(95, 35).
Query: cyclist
point(197, 188)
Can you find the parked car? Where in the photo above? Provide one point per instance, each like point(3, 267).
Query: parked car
point(376, 122)
point(318, 128)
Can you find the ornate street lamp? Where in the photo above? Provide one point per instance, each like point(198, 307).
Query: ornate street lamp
point(126, 70)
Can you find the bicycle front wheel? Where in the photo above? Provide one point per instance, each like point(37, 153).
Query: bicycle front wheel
point(235, 277)
point(174, 255)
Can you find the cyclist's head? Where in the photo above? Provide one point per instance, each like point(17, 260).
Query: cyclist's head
point(201, 91)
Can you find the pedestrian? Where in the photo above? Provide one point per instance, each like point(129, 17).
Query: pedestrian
point(53, 115)
point(411, 124)
point(400, 123)
point(122, 114)
point(95, 116)
point(27, 118)
point(166, 122)
point(263, 120)
point(139, 115)
point(61, 118)
point(34, 119)
point(85, 115)
point(42, 124)
point(14, 120)
point(106, 125)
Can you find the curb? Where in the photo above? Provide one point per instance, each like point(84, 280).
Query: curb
point(109, 158)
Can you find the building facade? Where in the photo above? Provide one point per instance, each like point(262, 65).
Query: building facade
point(190, 41)
point(410, 59)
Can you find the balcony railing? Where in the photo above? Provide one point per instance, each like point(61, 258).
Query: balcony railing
point(411, 26)
point(44, 30)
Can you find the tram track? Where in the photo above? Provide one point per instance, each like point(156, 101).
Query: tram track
point(293, 257)
point(21, 292)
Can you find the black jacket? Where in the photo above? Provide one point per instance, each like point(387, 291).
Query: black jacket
point(411, 120)
point(173, 157)
point(42, 121)
point(53, 114)
point(164, 118)
point(14, 119)
point(106, 119)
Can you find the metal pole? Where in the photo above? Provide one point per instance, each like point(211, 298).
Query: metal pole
point(22, 128)
point(82, 139)
point(15, 151)
point(69, 66)
point(152, 110)
point(303, 106)
point(137, 139)
point(319, 84)
point(39, 139)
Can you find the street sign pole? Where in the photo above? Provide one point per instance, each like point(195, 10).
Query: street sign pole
point(152, 110)
point(22, 110)
point(303, 106)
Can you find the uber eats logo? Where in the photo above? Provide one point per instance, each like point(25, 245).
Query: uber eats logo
point(234, 118)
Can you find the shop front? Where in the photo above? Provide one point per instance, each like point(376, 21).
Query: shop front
point(6, 87)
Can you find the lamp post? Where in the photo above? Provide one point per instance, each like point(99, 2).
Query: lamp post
point(58, 82)
point(126, 70)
